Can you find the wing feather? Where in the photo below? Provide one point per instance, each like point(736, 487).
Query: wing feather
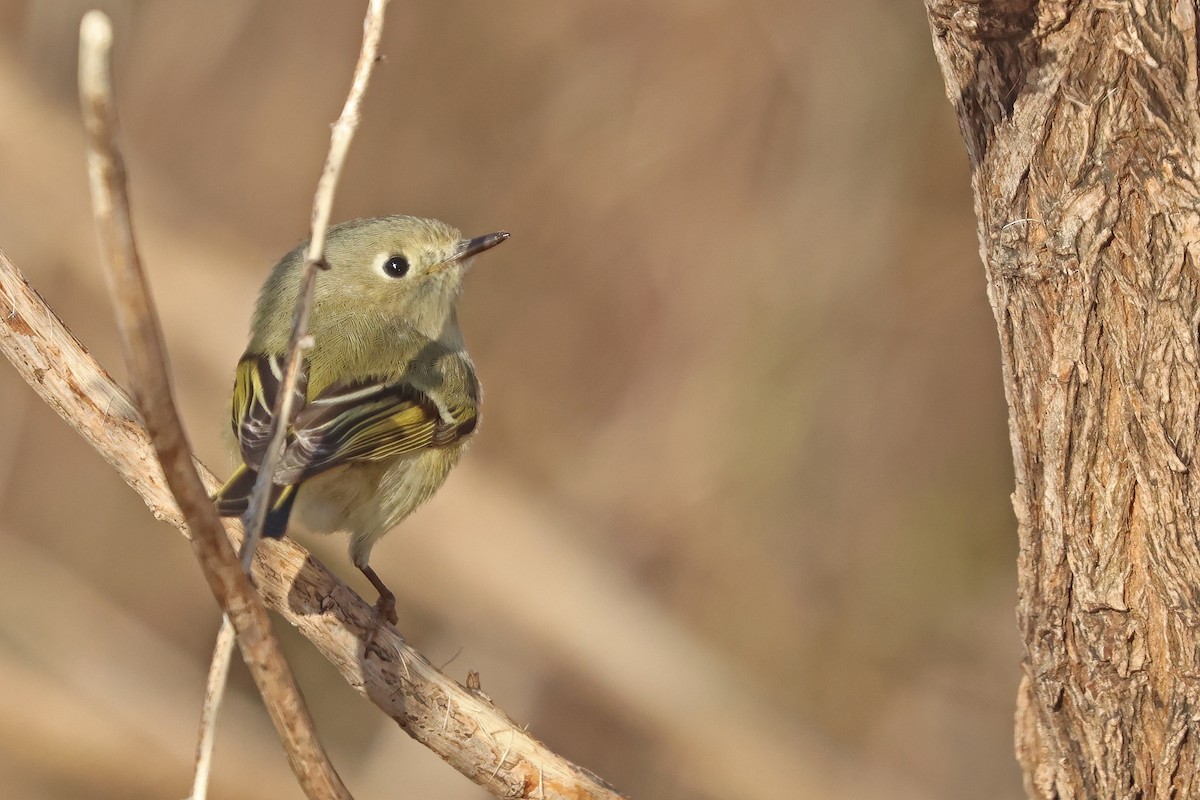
point(255, 387)
point(369, 421)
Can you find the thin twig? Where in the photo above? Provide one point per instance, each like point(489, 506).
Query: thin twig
point(285, 406)
point(339, 623)
point(145, 355)
point(314, 259)
point(214, 693)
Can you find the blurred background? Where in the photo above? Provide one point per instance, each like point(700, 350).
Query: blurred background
point(736, 523)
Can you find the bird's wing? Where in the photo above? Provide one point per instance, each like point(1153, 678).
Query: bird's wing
point(255, 387)
point(371, 420)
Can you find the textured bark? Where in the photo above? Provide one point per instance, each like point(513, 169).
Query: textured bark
point(1081, 124)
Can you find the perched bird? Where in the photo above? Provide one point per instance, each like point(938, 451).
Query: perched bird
point(388, 395)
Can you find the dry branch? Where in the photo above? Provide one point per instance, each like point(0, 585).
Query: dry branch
point(461, 726)
point(146, 357)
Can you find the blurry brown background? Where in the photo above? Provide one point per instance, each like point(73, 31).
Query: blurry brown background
point(736, 523)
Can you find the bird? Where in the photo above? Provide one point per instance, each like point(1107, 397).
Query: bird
point(388, 396)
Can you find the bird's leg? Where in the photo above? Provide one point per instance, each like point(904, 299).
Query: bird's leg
point(386, 605)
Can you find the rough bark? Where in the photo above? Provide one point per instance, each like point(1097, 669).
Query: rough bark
point(1081, 124)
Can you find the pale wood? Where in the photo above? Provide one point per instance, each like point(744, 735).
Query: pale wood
point(1082, 127)
point(145, 355)
point(214, 695)
point(461, 726)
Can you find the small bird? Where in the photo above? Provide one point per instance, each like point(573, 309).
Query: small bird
point(387, 396)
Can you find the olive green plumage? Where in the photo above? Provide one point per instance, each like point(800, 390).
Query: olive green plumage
point(389, 395)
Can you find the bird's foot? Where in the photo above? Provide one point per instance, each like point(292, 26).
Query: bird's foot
point(385, 612)
point(385, 608)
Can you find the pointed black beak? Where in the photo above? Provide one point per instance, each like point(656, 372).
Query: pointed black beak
point(472, 247)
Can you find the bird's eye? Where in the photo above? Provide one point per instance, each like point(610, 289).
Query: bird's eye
point(396, 267)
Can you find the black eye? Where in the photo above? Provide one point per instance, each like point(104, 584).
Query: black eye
point(396, 267)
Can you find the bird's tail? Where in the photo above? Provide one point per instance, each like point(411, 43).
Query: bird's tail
point(233, 499)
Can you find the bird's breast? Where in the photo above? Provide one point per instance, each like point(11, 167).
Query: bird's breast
point(369, 499)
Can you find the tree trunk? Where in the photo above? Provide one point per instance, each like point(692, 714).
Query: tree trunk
point(1081, 123)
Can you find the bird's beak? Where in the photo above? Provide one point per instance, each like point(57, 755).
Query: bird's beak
point(473, 247)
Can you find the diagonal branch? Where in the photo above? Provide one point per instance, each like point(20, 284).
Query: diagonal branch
point(145, 355)
point(460, 725)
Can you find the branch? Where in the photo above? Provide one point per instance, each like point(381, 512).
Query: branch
point(145, 355)
point(314, 259)
point(461, 726)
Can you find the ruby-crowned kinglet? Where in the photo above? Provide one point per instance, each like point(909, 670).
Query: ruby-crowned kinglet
point(388, 395)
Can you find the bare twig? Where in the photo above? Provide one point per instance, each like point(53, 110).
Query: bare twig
point(314, 259)
point(214, 693)
point(284, 408)
point(398, 679)
point(145, 355)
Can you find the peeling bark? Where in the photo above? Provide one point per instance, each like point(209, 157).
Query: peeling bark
point(1082, 127)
